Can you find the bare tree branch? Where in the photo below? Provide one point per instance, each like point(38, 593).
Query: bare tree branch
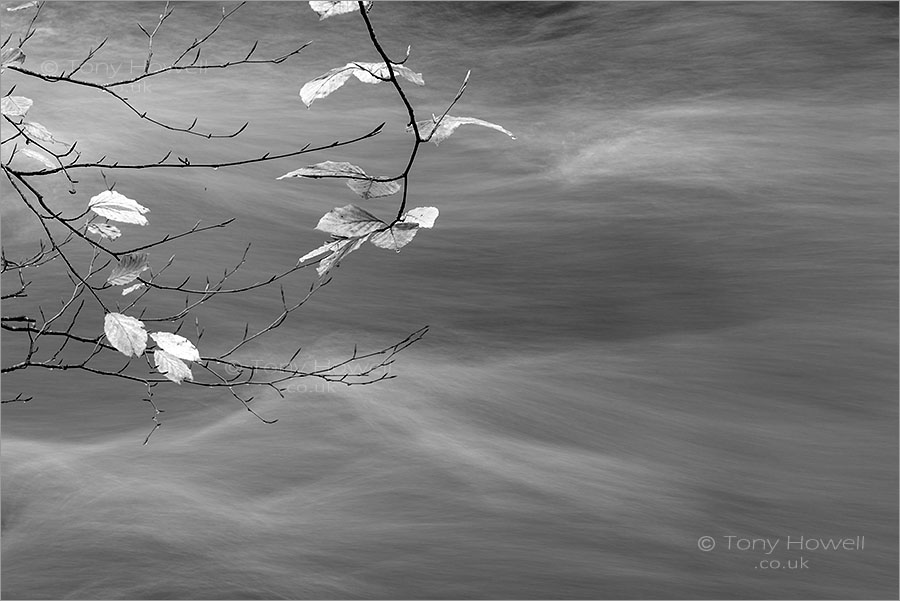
point(61, 335)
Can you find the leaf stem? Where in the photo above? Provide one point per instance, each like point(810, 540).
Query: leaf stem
point(409, 108)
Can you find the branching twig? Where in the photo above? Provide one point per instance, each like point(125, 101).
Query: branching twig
point(18, 399)
point(67, 337)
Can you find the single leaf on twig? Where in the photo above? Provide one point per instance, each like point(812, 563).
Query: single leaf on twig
point(132, 288)
point(326, 169)
point(330, 9)
point(125, 333)
point(38, 156)
point(31, 4)
point(396, 237)
point(340, 250)
point(36, 131)
point(105, 230)
point(378, 72)
point(350, 222)
point(422, 216)
point(373, 73)
point(369, 188)
point(327, 247)
point(325, 84)
point(15, 106)
point(171, 367)
point(128, 269)
point(448, 125)
point(176, 345)
point(118, 207)
point(12, 56)
point(358, 181)
point(403, 231)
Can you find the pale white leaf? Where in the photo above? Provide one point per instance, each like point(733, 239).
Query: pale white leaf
point(327, 169)
point(132, 288)
point(327, 247)
point(176, 345)
point(115, 206)
point(401, 233)
point(422, 216)
point(373, 73)
point(378, 72)
point(369, 188)
point(350, 222)
point(128, 269)
point(38, 156)
point(125, 333)
point(171, 367)
point(396, 237)
point(449, 124)
point(36, 131)
point(359, 182)
point(341, 250)
point(31, 4)
point(330, 9)
point(12, 56)
point(105, 230)
point(325, 84)
point(15, 106)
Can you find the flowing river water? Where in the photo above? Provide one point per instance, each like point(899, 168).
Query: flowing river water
point(668, 310)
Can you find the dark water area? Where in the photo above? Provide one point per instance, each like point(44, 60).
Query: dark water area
point(668, 310)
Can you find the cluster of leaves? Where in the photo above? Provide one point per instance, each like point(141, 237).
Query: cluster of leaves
point(109, 212)
point(351, 226)
point(126, 334)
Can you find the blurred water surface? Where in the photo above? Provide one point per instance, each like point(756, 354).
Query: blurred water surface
point(667, 311)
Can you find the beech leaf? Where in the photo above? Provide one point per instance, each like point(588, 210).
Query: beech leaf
point(374, 73)
point(330, 9)
point(36, 131)
point(327, 247)
point(132, 288)
point(327, 169)
point(350, 222)
point(171, 367)
point(339, 251)
point(364, 185)
point(423, 216)
point(325, 84)
point(11, 56)
point(401, 233)
point(105, 230)
point(118, 207)
point(128, 269)
point(449, 124)
point(369, 188)
point(125, 333)
point(396, 237)
point(176, 345)
point(15, 106)
point(38, 156)
point(31, 4)
point(378, 72)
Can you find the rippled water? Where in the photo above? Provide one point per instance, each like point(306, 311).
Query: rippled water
point(667, 311)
